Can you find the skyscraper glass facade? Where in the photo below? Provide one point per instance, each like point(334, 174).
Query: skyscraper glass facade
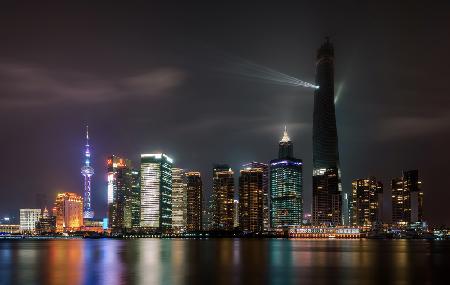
point(179, 200)
point(222, 210)
point(156, 191)
point(286, 193)
point(327, 200)
point(194, 211)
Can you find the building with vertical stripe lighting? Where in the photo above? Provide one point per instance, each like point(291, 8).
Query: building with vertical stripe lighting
point(156, 192)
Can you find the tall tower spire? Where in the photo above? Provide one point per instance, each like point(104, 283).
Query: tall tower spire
point(87, 171)
point(285, 147)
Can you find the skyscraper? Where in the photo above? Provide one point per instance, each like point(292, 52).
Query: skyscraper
point(156, 192)
point(265, 187)
point(120, 181)
point(46, 224)
point(179, 200)
point(222, 198)
point(135, 199)
point(28, 220)
point(366, 202)
point(407, 198)
point(251, 197)
point(327, 200)
point(87, 171)
point(286, 191)
point(194, 201)
point(68, 211)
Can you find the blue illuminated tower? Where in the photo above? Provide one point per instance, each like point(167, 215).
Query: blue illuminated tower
point(87, 171)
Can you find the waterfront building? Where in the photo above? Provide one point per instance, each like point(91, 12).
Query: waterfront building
point(87, 172)
point(366, 202)
point(179, 200)
point(156, 192)
point(134, 200)
point(251, 197)
point(119, 193)
point(222, 210)
point(235, 214)
point(194, 207)
point(346, 213)
point(327, 200)
point(407, 199)
point(68, 211)
point(46, 224)
point(9, 229)
point(286, 187)
point(265, 187)
point(28, 220)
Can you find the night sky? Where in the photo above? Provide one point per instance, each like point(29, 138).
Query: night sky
point(150, 78)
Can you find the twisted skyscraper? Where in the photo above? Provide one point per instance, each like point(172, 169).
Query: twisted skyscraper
point(87, 171)
point(327, 200)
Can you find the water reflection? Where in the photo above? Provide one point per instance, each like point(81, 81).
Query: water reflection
point(221, 261)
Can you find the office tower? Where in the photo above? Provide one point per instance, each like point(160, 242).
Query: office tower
point(68, 211)
point(365, 202)
point(346, 214)
point(119, 193)
point(135, 199)
point(265, 185)
point(28, 220)
point(327, 201)
point(156, 192)
point(251, 197)
point(46, 224)
point(235, 213)
point(407, 199)
point(179, 200)
point(222, 198)
point(286, 192)
point(87, 171)
point(194, 202)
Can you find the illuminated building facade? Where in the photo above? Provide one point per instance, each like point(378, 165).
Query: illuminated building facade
point(286, 191)
point(156, 192)
point(327, 200)
point(265, 187)
point(251, 197)
point(366, 202)
point(222, 198)
point(46, 224)
point(28, 220)
point(133, 202)
point(87, 171)
point(407, 198)
point(194, 201)
point(179, 200)
point(68, 211)
point(119, 193)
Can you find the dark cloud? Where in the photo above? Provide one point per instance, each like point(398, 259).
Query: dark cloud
point(25, 85)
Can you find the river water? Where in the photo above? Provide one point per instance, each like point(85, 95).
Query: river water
point(224, 261)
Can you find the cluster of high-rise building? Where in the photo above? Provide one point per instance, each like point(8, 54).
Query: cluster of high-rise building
point(155, 195)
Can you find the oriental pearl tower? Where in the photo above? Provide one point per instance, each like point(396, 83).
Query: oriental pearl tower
point(87, 171)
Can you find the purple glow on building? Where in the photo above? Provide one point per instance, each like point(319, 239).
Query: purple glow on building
point(87, 171)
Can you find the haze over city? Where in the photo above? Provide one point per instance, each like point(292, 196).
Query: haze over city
point(162, 78)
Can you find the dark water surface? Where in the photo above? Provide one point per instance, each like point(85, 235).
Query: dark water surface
point(224, 261)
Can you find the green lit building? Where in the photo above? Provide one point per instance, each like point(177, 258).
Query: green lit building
point(286, 193)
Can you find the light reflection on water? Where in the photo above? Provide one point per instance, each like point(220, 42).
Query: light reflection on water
point(222, 261)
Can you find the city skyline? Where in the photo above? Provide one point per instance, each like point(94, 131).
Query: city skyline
point(388, 106)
